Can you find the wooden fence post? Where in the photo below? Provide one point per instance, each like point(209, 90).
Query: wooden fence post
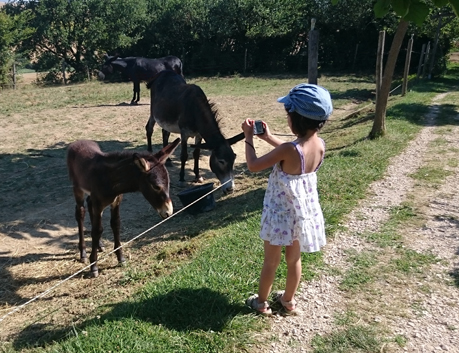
point(407, 65)
point(379, 61)
point(355, 56)
point(423, 51)
point(426, 59)
point(313, 53)
point(14, 75)
point(245, 60)
point(434, 50)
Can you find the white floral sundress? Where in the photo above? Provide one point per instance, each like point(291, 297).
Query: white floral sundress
point(291, 209)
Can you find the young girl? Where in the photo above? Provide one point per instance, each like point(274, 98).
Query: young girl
point(292, 216)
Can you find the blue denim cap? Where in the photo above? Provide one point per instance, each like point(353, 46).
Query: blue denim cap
point(311, 101)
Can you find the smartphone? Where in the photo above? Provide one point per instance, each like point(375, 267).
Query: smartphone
point(258, 127)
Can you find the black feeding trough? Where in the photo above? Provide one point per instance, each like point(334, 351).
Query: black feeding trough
point(190, 195)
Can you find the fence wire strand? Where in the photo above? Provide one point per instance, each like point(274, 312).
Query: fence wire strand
point(41, 295)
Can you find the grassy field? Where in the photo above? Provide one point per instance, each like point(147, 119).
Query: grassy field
point(183, 289)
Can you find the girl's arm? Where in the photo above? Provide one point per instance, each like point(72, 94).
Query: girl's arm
point(278, 154)
point(282, 152)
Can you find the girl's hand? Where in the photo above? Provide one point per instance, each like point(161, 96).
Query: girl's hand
point(267, 132)
point(247, 127)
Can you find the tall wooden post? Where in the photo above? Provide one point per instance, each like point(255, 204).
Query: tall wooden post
point(426, 59)
point(245, 60)
point(434, 50)
point(14, 75)
point(379, 61)
point(423, 51)
point(355, 55)
point(407, 65)
point(313, 53)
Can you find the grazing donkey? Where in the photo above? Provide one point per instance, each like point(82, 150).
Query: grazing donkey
point(105, 177)
point(137, 69)
point(184, 109)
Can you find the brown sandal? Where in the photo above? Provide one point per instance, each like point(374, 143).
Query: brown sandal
point(261, 308)
point(289, 307)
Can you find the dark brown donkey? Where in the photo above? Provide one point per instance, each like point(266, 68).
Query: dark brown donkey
point(105, 177)
point(184, 109)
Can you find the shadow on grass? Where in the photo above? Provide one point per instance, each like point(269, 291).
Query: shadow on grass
point(354, 94)
point(181, 310)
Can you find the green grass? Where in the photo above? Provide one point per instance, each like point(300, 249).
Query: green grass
point(349, 340)
point(196, 303)
point(431, 175)
point(361, 273)
point(412, 261)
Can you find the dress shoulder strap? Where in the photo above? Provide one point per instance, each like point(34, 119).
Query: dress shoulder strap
point(300, 152)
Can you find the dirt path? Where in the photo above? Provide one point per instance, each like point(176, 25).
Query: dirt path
point(422, 310)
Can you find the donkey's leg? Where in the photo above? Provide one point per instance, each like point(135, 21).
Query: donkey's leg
point(79, 217)
point(196, 154)
point(101, 246)
point(115, 223)
point(149, 129)
point(166, 135)
point(183, 158)
point(96, 232)
point(136, 96)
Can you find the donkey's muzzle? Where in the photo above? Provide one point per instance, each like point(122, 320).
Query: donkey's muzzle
point(167, 209)
point(228, 186)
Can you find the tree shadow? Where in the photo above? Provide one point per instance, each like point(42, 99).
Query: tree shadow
point(354, 94)
point(180, 309)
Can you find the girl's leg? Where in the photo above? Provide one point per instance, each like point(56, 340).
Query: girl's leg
point(270, 264)
point(293, 259)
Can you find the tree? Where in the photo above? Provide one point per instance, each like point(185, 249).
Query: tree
point(79, 32)
point(13, 30)
point(409, 11)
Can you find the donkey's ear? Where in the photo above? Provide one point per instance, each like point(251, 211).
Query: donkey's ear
point(167, 151)
point(140, 162)
point(234, 139)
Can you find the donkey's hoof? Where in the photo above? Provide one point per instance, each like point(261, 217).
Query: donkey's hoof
point(199, 180)
point(84, 260)
point(122, 262)
point(95, 274)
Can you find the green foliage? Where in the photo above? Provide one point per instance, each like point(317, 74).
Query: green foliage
point(412, 11)
point(227, 36)
point(77, 32)
point(13, 30)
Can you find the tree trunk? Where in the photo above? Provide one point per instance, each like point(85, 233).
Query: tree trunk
point(379, 126)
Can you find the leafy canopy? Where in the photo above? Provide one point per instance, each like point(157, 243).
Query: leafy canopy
point(410, 10)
